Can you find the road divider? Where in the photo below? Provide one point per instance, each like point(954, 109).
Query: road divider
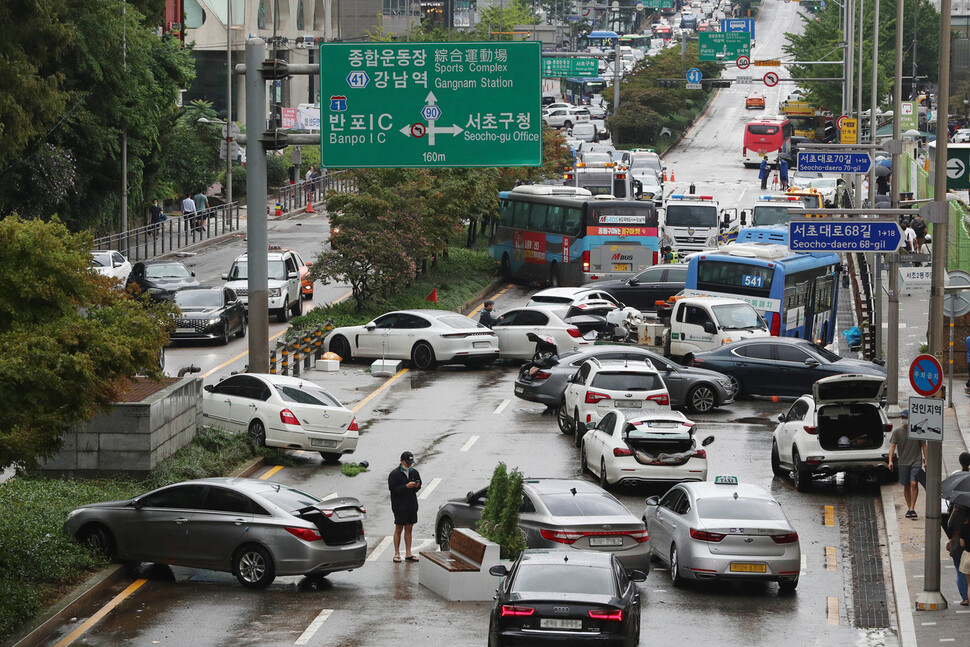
point(314, 627)
point(831, 563)
point(832, 606)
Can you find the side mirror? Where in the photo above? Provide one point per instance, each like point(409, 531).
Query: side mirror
point(744, 218)
point(570, 379)
point(709, 327)
point(192, 273)
point(293, 275)
point(225, 277)
point(782, 417)
point(637, 576)
point(499, 570)
point(137, 504)
point(652, 501)
point(811, 362)
point(707, 441)
point(369, 327)
point(634, 282)
point(209, 388)
point(470, 496)
point(117, 264)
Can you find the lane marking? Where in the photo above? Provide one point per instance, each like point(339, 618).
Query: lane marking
point(268, 473)
point(829, 517)
point(833, 611)
point(102, 612)
point(379, 550)
point(928, 624)
point(428, 490)
point(500, 408)
point(947, 640)
point(468, 445)
point(332, 495)
point(495, 296)
point(394, 378)
point(831, 562)
point(314, 626)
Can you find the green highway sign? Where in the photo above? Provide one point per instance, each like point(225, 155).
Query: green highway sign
point(658, 4)
point(570, 67)
point(430, 104)
point(957, 167)
point(724, 45)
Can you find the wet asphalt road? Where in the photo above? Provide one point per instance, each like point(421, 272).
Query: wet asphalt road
point(459, 423)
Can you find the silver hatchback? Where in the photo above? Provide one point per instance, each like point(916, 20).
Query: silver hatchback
point(254, 529)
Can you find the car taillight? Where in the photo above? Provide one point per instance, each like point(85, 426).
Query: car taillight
point(353, 425)
point(327, 513)
point(775, 324)
point(699, 453)
point(607, 614)
point(787, 538)
point(574, 332)
point(510, 610)
point(703, 535)
point(662, 399)
point(639, 536)
point(592, 397)
point(456, 335)
point(287, 417)
point(542, 375)
point(811, 430)
point(586, 261)
point(887, 427)
point(622, 451)
point(306, 534)
point(560, 536)
point(696, 361)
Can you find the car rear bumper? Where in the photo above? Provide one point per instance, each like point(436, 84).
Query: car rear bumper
point(630, 472)
point(296, 437)
point(534, 393)
point(834, 466)
point(318, 557)
point(776, 568)
point(531, 637)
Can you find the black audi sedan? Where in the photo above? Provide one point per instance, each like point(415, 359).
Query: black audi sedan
point(565, 598)
point(207, 312)
point(161, 279)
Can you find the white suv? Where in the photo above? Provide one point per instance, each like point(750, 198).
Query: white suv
point(283, 283)
point(599, 387)
point(565, 117)
point(841, 427)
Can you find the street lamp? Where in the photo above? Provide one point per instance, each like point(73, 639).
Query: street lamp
point(228, 139)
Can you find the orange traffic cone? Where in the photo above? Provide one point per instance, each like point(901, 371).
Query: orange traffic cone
point(309, 207)
point(433, 297)
point(665, 176)
point(671, 176)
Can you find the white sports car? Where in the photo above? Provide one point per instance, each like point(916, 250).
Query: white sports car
point(111, 264)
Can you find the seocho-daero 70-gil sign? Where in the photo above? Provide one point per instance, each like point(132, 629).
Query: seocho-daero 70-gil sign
point(430, 104)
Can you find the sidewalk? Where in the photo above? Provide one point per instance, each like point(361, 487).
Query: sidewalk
point(906, 540)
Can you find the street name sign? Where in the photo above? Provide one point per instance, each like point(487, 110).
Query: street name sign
point(957, 167)
point(925, 376)
point(716, 46)
point(570, 66)
point(743, 80)
point(658, 4)
point(850, 131)
point(738, 24)
point(817, 235)
point(834, 162)
point(430, 104)
point(926, 419)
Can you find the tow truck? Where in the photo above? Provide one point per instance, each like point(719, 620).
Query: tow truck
point(691, 223)
point(613, 179)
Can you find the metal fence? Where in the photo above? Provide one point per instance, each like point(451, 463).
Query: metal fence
point(294, 197)
point(173, 234)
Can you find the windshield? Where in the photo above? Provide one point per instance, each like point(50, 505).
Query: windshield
point(562, 578)
point(597, 159)
point(826, 354)
point(755, 129)
point(167, 271)
point(101, 259)
point(307, 394)
point(737, 316)
point(770, 215)
point(646, 161)
point(240, 271)
point(584, 504)
point(199, 298)
point(681, 215)
point(595, 87)
point(742, 508)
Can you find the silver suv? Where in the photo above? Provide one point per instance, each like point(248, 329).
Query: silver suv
point(283, 283)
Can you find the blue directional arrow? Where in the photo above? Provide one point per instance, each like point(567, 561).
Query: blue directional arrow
point(824, 235)
point(834, 162)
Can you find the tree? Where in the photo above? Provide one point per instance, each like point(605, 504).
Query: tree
point(500, 516)
point(190, 158)
point(70, 339)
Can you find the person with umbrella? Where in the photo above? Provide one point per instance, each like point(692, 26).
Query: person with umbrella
point(956, 490)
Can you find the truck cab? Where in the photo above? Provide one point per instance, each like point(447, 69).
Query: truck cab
point(705, 323)
point(691, 223)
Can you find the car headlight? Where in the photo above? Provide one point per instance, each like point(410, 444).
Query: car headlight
point(213, 322)
point(157, 291)
point(274, 292)
point(725, 383)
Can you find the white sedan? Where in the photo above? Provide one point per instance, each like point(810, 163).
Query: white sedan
point(111, 264)
point(515, 325)
point(425, 337)
point(634, 448)
point(281, 411)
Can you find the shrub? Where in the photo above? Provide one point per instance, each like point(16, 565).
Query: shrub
point(277, 170)
point(500, 516)
point(352, 469)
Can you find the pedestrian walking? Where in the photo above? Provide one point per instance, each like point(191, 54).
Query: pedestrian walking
point(487, 319)
point(188, 212)
point(919, 227)
point(404, 483)
point(909, 238)
point(783, 173)
point(958, 540)
point(910, 456)
point(882, 185)
point(155, 217)
point(201, 204)
point(763, 172)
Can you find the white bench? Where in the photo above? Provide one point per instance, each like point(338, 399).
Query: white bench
point(461, 574)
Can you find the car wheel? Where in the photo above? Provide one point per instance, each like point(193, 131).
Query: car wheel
point(675, 578)
point(308, 296)
point(341, 347)
point(802, 473)
point(297, 308)
point(258, 433)
point(701, 398)
point(567, 124)
point(241, 333)
point(422, 356)
point(788, 584)
point(554, 275)
point(97, 539)
point(579, 430)
point(776, 467)
point(736, 385)
point(604, 483)
point(443, 534)
point(224, 338)
point(583, 464)
point(564, 425)
point(283, 314)
point(254, 567)
point(506, 267)
point(330, 457)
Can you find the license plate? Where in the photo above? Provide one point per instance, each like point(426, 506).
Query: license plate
point(560, 623)
point(621, 267)
point(519, 389)
point(320, 442)
point(480, 344)
point(606, 541)
point(631, 404)
point(346, 513)
point(185, 330)
point(748, 568)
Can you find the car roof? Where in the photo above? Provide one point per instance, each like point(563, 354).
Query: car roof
point(560, 486)
point(563, 292)
point(569, 558)
point(608, 365)
point(427, 312)
point(711, 490)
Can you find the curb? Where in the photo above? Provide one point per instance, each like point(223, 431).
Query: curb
point(485, 293)
point(903, 603)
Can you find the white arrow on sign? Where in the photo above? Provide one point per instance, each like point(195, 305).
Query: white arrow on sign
point(955, 169)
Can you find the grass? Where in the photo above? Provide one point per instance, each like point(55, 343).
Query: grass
point(39, 563)
point(352, 469)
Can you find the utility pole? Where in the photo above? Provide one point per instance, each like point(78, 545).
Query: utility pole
point(892, 357)
point(124, 129)
point(877, 292)
point(229, 105)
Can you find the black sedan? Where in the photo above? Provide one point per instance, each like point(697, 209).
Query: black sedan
point(784, 366)
point(565, 598)
point(161, 279)
point(653, 284)
point(207, 312)
point(697, 389)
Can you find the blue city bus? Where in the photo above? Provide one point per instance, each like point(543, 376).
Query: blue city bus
point(599, 38)
point(579, 91)
point(562, 235)
point(797, 293)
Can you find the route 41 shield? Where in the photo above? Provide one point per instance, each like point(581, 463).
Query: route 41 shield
point(926, 419)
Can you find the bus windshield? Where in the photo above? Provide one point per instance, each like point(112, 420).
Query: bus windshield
point(734, 278)
point(682, 215)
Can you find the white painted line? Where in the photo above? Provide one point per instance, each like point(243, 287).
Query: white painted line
point(947, 640)
point(314, 626)
point(918, 577)
point(468, 445)
point(428, 490)
point(660, 590)
point(500, 408)
point(928, 624)
point(963, 611)
point(332, 495)
point(904, 607)
point(377, 552)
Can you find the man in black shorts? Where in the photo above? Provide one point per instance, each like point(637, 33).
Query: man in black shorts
point(910, 456)
point(404, 483)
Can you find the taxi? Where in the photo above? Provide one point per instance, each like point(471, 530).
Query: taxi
point(754, 100)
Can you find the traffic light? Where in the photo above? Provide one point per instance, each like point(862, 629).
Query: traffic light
point(669, 83)
point(720, 83)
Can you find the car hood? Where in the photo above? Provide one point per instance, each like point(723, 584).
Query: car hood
point(106, 504)
point(848, 365)
point(200, 312)
point(172, 283)
point(694, 371)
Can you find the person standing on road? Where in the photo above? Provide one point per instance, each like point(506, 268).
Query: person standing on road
point(909, 238)
point(188, 212)
point(783, 173)
point(910, 456)
point(919, 227)
point(201, 204)
point(404, 483)
point(763, 172)
point(487, 319)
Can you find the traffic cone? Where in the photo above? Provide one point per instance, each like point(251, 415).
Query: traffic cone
point(433, 297)
point(774, 182)
point(309, 206)
point(665, 176)
point(672, 176)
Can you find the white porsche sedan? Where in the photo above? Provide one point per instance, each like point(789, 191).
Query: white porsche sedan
point(425, 337)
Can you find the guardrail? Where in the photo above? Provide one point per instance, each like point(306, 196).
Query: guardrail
point(300, 354)
point(294, 197)
point(173, 234)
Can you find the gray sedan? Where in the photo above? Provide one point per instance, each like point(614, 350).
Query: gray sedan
point(723, 530)
point(253, 529)
point(560, 513)
point(699, 390)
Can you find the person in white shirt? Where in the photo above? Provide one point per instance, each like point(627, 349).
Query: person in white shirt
point(188, 211)
point(910, 238)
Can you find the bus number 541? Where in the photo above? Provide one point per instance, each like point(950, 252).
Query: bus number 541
point(749, 281)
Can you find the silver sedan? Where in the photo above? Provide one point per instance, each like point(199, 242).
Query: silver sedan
point(723, 530)
point(254, 529)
